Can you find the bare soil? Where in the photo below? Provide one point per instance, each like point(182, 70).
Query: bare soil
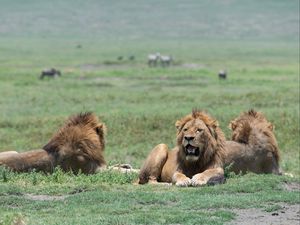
point(287, 215)
point(291, 186)
point(45, 197)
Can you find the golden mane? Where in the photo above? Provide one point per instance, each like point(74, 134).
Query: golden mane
point(197, 114)
point(216, 145)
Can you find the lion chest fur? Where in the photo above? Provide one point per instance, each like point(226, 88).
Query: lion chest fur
point(176, 163)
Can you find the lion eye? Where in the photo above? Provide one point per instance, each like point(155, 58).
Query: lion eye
point(185, 129)
point(199, 130)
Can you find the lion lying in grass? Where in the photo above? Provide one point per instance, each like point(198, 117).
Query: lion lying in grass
point(253, 147)
point(77, 146)
point(197, 158)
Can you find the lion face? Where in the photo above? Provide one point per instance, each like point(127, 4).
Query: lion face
point(193, 138)
point(79, 145)
point(80, 150)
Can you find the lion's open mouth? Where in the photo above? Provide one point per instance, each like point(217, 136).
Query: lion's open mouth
point(191, 150)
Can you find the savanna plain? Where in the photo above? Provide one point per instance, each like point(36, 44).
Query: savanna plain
point(257, 42)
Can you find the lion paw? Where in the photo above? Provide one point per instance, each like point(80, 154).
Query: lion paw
point(184, 182)
point(198, 180)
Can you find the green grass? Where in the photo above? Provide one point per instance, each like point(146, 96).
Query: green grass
point(140, 105)
point(109, 198)
point(256, 42)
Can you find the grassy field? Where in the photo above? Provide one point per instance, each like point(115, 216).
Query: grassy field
point(257, 43)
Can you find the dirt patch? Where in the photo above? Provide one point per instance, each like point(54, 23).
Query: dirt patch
point(124, 65)
point(287, 215)
point(291, 186)
point(45, 197)
point(96, 67)
point(91, 67)
point(192, 66)
point(54, 197)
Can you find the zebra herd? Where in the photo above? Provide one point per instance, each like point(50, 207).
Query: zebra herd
point(158, 59)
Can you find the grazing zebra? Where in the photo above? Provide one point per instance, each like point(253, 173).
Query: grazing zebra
point(50, 73)
point(153, 59)
point(165, 60)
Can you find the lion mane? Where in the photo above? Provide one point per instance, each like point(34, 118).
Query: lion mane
point(197, 158)
point(215, 148)
point(77, 146)
point(253, 146)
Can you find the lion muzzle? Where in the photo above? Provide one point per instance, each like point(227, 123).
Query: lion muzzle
point(192, 153)
point(192, 150)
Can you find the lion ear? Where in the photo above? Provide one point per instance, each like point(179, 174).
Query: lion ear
point(212, 130)
point(101, 129)
point(232, 125)
point(178, 125)
point(271, 126)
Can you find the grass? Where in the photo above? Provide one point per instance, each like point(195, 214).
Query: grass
point(94, 199)
point(140, 105)
point(257, 43)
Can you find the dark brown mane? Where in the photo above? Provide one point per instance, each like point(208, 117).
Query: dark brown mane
point(82, 119)
point(252, 112)
point(82, 131)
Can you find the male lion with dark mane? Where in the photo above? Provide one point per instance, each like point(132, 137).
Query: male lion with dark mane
point(253, 147)
point(197, 158)
point(77, 146)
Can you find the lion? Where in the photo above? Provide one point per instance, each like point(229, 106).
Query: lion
point(253, 147)
point(77, 146)
point(197, 158)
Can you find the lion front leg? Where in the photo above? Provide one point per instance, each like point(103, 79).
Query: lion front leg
point(215, 175)
point(151, 170)
point(180, 180)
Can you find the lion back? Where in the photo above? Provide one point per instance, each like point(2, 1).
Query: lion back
point(250, 126)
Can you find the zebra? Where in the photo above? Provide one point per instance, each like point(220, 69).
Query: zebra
point(153, 59)
point(166, 60)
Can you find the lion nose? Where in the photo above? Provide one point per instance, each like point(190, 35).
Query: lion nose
point(189, 138)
